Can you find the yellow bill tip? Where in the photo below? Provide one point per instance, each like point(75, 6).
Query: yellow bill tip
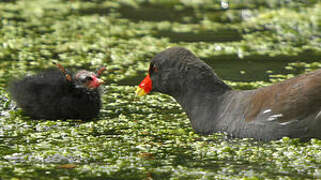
point(140, 91)
point(100, 81)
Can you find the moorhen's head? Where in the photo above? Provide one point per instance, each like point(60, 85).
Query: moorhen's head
point(84, 79)
point(176, 70)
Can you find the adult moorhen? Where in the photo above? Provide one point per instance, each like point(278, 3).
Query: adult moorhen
point(57, 94)
point(290, 108)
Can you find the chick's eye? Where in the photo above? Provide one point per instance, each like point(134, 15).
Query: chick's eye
point(85, 79)
point(88, 78)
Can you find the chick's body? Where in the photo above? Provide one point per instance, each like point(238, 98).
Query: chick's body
point(49, 95)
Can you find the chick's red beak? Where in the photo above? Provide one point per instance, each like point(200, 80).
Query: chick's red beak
point(144, 87)
point(95, 83)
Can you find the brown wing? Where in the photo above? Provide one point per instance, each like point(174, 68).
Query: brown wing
point(293, 98)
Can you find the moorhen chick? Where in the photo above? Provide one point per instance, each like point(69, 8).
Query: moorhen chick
point(290, 108)
point(57, 94)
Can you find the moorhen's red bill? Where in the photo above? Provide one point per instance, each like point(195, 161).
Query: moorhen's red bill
point(57, 94)
point(290, 108)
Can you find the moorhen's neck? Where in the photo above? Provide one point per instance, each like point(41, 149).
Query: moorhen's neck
point(201, 101)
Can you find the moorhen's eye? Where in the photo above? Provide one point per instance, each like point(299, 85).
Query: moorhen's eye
point(153, 68)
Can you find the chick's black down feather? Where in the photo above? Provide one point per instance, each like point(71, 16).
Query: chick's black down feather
point(49, 95)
